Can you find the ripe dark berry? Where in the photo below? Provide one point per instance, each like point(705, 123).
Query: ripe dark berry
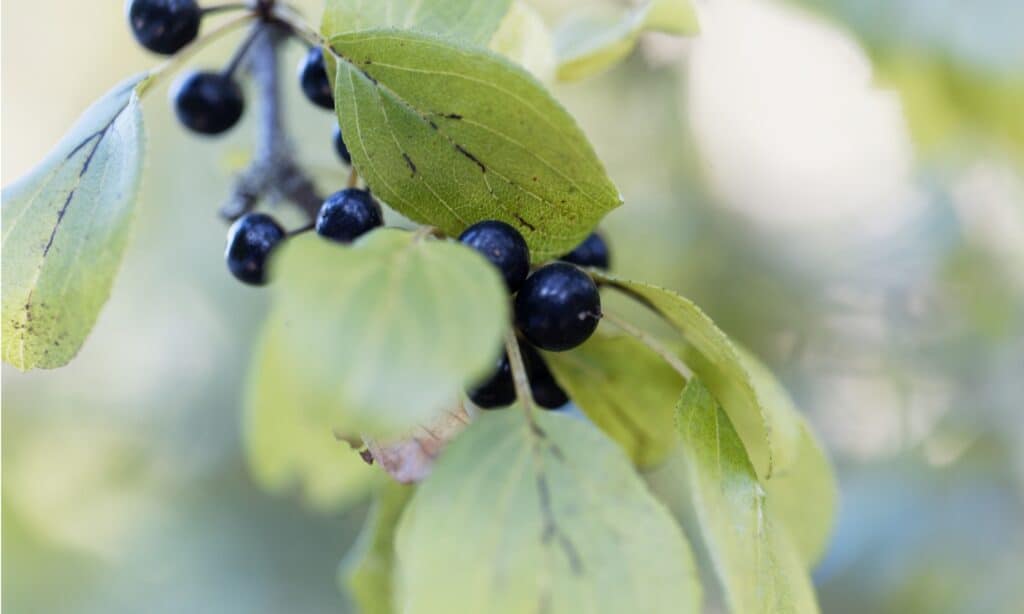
point(208, 102)
point(558, 307)
point(503, 246)
point(545, 390)
point(498, 390)
point(348, 214)
point(250, 241)
point(340, 147)
point(313, 78)
point(164, 26)
point(592, 252)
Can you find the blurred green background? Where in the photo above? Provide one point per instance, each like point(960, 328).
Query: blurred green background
point(839, 183)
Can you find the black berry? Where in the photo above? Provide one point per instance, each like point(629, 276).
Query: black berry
point(313, 78)
point(348, 214)
point(208, 102)
point(558, 307)
point(164, 26)
point(504, 247)
point(593, 252)
point(250, 241)
point(545, 390)
point(340, 147)
point(498, 390)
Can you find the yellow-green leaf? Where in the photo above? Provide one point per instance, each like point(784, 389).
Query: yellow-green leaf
point(390, 329)
point(599, 37)
point(545, 518)
point(754, 556)
point(625, 389)
point(450, 135)
point(289, 438)
point(65, 228)
point(770, 435)
point(367, 571)
point(473, 21)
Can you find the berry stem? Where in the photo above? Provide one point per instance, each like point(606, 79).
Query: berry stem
point(242, 51)
point(273, 173)
point(651, 342)
point(353, 178)
point(224, 8)
point(519, 377)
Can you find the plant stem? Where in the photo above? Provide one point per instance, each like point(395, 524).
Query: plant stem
point(519, 377)
point(273, 172)
point(651, 342)
point(353, 178)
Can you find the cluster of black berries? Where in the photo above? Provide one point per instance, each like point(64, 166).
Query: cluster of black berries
point(211, 102)
point(556, 308)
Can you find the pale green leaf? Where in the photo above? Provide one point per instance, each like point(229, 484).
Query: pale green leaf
point(65, 228)
point(449, 136)
point(599, 37)
point(366, 572)
point(625, 389)
point(288, 439)
point(804, 494)
point(473, 21)
point(548, 518)
point(771, 436)
point(754, 556)
point(524, 38)
point(391, 328)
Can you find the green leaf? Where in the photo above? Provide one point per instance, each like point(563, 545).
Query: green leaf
point(366, 572)
point(550, 518)
point(625, 389)
point(756, 561)
point(770, 435)
point(524, 38)
point(65, 228)
point(804, 494)
point(600, 37)
point(449, 136)
point(392, 328)
point(289, 440)
point(473, 21)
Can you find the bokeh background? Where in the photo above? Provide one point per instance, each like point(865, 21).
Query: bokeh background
point(839, 183)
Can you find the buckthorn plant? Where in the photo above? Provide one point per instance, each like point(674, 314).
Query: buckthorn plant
point(451, 300)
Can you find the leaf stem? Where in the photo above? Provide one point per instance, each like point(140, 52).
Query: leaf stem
point(299, 27)
point(519, 377)
point(651, 342)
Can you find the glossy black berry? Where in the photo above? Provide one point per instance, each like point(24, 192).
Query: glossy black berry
point(593, 252)
point(545, 390)
point(498, 390)
point(207, 102)
point(250, 241)
point(503, 246)
point(340, 147)
point(348, 214)
point(558, 307)
point(313, 78)
point(164, 26)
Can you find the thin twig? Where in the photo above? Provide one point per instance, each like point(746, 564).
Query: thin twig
point(519, 377)
point(651, 342)
point(273, 173)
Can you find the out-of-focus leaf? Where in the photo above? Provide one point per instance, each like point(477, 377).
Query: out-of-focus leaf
point(391, 329)
point(598, 38)
point(804, 495)
point(771, 436)
point(473, 21)
point(289, 438)
point(549, 518)
point(449, 135)
point(524, 38)
point(368, 569)
point(625, 389)
point(758, 565)
point(65, 227)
